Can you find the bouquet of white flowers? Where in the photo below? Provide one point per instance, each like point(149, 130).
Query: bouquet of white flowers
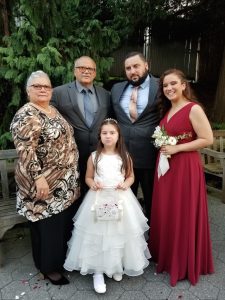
point(161, 139)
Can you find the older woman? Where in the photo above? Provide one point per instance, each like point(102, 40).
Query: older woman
point(46, 176)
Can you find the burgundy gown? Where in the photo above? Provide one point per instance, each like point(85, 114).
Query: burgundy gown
point(179, 233)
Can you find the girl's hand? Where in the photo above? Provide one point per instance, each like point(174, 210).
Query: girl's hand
point(96, 186)
point(169, 150)
point(123, 186)
point(42, 188)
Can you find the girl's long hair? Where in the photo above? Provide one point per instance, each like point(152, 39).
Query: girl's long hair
point(163, 102)
point(120, 149)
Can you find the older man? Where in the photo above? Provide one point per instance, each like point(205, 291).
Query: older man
point(84, 105)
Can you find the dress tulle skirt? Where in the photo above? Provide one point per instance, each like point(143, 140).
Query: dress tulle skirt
point(109, 246)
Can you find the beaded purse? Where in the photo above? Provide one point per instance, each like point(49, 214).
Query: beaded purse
point(107, 206)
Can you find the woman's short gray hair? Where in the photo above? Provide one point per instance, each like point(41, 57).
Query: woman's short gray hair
point(34, 75)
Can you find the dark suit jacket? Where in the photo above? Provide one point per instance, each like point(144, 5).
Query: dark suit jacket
point(137, 135)
point(65, 100)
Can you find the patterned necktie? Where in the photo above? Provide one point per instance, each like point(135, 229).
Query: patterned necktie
point(88, 108)
point(133, 104)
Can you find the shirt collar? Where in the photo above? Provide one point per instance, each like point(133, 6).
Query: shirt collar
point(145, 83)
point(80, 87)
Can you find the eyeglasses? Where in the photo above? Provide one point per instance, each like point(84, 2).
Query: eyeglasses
point(38, 87)
point(84, 69)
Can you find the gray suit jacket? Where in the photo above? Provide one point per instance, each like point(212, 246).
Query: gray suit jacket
point(137, 135)
point(65, 100)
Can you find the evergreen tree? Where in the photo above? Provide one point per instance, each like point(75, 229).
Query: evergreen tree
point(49, 35)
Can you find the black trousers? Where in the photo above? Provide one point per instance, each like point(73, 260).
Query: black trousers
point(83, 187)
point(49, 239)
point(144, 177)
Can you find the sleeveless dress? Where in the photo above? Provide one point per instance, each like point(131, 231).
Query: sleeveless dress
point(109, 246)
point(179, 230)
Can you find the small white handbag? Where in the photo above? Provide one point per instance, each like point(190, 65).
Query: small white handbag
point(107, 206)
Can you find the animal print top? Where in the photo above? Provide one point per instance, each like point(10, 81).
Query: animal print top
point(46, 146)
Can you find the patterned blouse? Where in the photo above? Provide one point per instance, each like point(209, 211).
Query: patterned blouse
point(46, 146)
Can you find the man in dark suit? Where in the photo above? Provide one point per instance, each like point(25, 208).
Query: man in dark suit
point(138, 116)
point(84, 105)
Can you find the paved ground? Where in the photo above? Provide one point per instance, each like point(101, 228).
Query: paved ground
point(20, 280)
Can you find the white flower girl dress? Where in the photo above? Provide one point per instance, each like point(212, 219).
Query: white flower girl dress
point(109, 247)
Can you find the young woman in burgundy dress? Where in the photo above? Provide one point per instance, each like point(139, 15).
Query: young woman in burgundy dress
point(179, 232)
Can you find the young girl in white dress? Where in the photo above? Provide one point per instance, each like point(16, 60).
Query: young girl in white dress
point(111, 247)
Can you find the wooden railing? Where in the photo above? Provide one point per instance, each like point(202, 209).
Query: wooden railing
point(8, 214)
point(213, 158)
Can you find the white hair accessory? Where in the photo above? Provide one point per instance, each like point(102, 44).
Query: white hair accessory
point(110, 119)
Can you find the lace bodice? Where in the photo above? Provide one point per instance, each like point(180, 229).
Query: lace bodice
point(108, 170)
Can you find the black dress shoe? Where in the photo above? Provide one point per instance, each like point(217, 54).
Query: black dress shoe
point(61, 281)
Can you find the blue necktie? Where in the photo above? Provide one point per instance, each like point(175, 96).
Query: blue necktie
point(88, 108)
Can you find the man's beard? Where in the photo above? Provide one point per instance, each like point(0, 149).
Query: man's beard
point(140, 80)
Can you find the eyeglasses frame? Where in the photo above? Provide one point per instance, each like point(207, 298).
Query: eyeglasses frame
point(89, 69)
point(39, 87)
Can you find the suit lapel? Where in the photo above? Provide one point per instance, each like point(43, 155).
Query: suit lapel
point(153, 88)
point(119, 92)
point(118, 95)
point(73, 99)
point(100, 100)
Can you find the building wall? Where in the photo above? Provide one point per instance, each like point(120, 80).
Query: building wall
point(162, 56)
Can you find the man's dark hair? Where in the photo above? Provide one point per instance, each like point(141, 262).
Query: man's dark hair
point(134, 53)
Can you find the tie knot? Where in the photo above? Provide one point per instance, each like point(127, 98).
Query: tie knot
point(85, 91)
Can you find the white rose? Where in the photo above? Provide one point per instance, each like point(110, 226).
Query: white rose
point(172, 140)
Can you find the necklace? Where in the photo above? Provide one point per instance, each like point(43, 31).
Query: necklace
point(46, 110)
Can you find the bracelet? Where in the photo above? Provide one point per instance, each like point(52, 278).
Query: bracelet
point(38, 176)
